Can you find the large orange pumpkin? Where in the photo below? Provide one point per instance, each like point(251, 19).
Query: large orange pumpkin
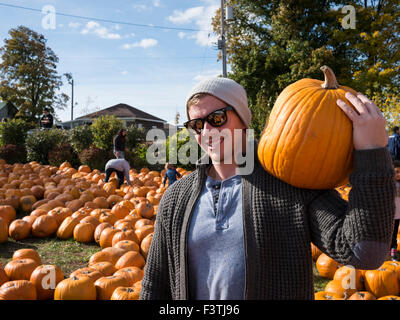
point(44, 226)
point(326, 266)
point(27, 254)
point(382, 282)
point(18, 290)
point(308, 140)
point(19, 229)
point(45, 278)
point(105, 286)
point(76, 288)
point(3, 230)
point(20, 269)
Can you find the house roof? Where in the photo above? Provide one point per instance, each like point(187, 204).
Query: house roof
point(5, 103)
point(122, 110)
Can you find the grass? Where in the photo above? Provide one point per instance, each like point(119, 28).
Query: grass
point(68, 255)
point(319, 282)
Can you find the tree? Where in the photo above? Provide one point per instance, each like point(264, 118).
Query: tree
point(275, 43)
point(29, 75)
point(104, 129)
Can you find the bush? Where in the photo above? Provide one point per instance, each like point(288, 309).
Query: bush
point(41, 142)
point(104, 129)
point(134, 136)
point(13, 132)
point(95, 158)
point(63, 152)
point(12, 153)
point(173, 145)
point(81, 137)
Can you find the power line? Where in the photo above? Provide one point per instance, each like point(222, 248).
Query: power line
point(103, 20)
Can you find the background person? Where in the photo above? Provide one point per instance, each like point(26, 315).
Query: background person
point(394, 144)
point(47, 119)
point(172, 174)
point(121, 168)
point(119, 144)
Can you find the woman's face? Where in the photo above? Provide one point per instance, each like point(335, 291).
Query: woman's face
point(123, 133)
point(217, 145)
point(397, 174)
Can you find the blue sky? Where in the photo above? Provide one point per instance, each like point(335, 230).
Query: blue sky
point(148, 68)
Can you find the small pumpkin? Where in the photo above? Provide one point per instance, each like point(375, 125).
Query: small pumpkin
point(125, 293)
point(19, 229)
point(3, 230)
point(362, 295)
point(125, 234)
point(8, 213)
point(105, 286)
point(100, 256)
point(106, 237)
point(75, 288)
point(130, 259)
point(127, 245)
point(99, 229)
point(44, 226)
point(18, 290)
point(326, 266)
point(115, 253)
point(145, 245)
point(87, 272)
point(84, 232)
point(132, 274)
point(336, 287)
point(145, 209)
point(3, 276)
point(322, 295)
point(27, 254)
point(382, 282)
point(66, 229)
point(45, 278)
point(315, 252)
point(350, 277)
point(104, 267)
point(144, 231)
point(20, 269)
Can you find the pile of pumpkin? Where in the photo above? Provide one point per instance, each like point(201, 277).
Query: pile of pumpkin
point(348, 283)
point(77, 203)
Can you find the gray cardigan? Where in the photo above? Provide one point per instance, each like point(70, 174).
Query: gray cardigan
point(279, 223)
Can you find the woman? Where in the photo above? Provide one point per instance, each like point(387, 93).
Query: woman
point(119, 144)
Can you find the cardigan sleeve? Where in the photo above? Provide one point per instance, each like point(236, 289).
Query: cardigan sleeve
point(357, 232)
point(155, 283)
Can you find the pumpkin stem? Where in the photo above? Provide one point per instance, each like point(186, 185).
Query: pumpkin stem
point(330, 78)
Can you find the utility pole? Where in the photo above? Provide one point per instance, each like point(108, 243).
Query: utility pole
point(72, 100)
point(223, 46)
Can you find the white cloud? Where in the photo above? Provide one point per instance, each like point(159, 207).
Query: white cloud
point(207, 74)
point(124, 73)
point(74, 25)
point(181, 35)
point(157, 3)
point(144, 43)
point(184, 17)
point(93, 27)
point(140, 7)
point(201, 17)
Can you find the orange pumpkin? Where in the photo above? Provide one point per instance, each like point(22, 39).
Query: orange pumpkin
point(44, 226)
point(125, 234)
point(104, 267)
point(326, 266)
point(99, 229)
point(145, 245)
point(45, 278)
point(132, 274)
point(362, 295)
point(76, 288)
point(306, 118)
point(84, 232)
point(125, 293)
point(87, 272)
point(127, 245)
point(8, 213)
point(66, 229)
point(130, 259)
point(107, 236)
point(3, 230)
point(19, 229)
point(26, 254)
point(18, 290)
point(3, 276)
point(322, 295)
point(20, 269)
point(382, 282)
point(105, 286)
point(315, 252)
point(350, 278)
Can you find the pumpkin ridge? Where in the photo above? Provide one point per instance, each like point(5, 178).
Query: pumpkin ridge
point(322, 95)
point(278, 144)
point(271, 125)
point(307, 95)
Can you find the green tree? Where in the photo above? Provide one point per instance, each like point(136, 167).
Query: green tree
point(104, 129)
point(81, 137)
point(29, 75)
point(134, 136)
point(273, 44)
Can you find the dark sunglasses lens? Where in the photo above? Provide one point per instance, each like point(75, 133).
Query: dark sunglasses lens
point(217, 118)
point(196, 125)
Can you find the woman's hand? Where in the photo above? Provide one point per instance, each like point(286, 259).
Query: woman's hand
point(369, 130)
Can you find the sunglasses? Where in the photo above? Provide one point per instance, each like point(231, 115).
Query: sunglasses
point(216, 118)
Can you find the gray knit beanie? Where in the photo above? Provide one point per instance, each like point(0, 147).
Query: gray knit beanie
point(226, 90)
